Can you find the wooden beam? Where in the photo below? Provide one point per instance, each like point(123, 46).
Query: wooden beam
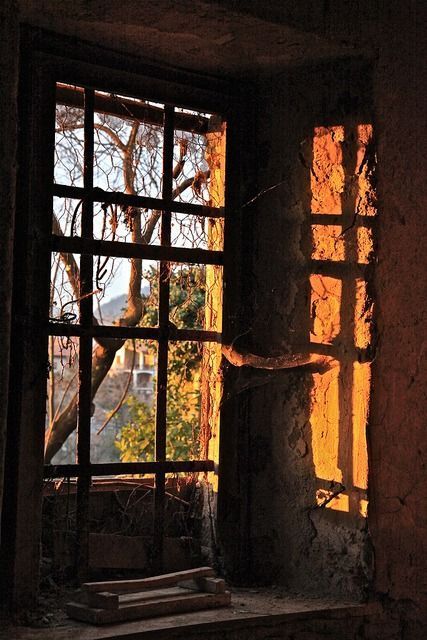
point(115, 468)
point(207, 585)
point(165, 580)
point(143, 202)
point(149, 609)
point(108, 600)
point(143, 333)
point(128, 109)
point(133, 250)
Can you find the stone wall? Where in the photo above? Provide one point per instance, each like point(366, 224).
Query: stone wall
point(305, 431)
point(277, 476)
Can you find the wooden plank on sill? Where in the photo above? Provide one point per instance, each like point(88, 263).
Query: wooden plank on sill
point(102, 600)
point(165, 580)
point(106, 600)
point(207, 585)
point(150, 609)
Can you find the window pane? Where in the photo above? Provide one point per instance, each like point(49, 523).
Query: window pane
point(199, 160)
point(69, 136)
point(112, 300)
point(67, 214)
point(62, 389)
point(64, 288)
point(128, 139)
point(126, 224)
point(123, 422)
point(183, 400)
point(197, 232)
point(193, 399)
point(196, 297)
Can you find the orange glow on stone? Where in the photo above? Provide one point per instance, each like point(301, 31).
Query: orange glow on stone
point(328, 243)
point(325, 308)
point(327, 175)
point(340, 397)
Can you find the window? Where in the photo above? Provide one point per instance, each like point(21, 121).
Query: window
point(136, 286)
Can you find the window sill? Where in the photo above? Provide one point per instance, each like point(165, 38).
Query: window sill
point(253, 614)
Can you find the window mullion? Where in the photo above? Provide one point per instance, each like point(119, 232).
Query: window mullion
point(85, 354)
point(162, 371)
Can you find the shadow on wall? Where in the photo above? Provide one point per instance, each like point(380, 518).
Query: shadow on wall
point(343, 213)
point(306, 427)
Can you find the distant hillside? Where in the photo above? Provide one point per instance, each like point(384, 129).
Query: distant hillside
point(113, 309)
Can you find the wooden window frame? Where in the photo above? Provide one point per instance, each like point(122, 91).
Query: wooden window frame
point(43, 65)
point(86, 329)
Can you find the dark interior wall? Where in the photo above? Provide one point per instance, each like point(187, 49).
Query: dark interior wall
point(8, 144)
point(291, 541)
point(397, 433)
point(391, 34)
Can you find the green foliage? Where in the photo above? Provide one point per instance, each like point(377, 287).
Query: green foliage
point(135, 440)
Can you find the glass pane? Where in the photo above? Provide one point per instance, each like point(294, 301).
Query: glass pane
point(123, 423)
point(113, 302)
point(67, 214)
point(126, 224)
point(199, 158)
point(62, 387)
point(197, 232)
point(183, 400)
point(69, 136)
point(128, 139)
point(64, 288)
point(193, 400)
point(191, 170)
point(196, 297)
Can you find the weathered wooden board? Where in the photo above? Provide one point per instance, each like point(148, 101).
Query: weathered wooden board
point(150, 608)
point(105, 600)
point(208, 585)
point(109, 600)
point(165, 580)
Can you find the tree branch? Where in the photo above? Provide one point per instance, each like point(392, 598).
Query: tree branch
point(241, 358)
point(123, 396)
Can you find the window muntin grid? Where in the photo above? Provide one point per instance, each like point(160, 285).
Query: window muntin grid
point(91, 199)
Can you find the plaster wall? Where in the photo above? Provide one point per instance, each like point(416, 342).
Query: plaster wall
point(390, 33)
point(397, 433)
point(301, 425)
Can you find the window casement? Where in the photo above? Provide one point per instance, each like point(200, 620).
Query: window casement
point(87, 208)
point(118, 212)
